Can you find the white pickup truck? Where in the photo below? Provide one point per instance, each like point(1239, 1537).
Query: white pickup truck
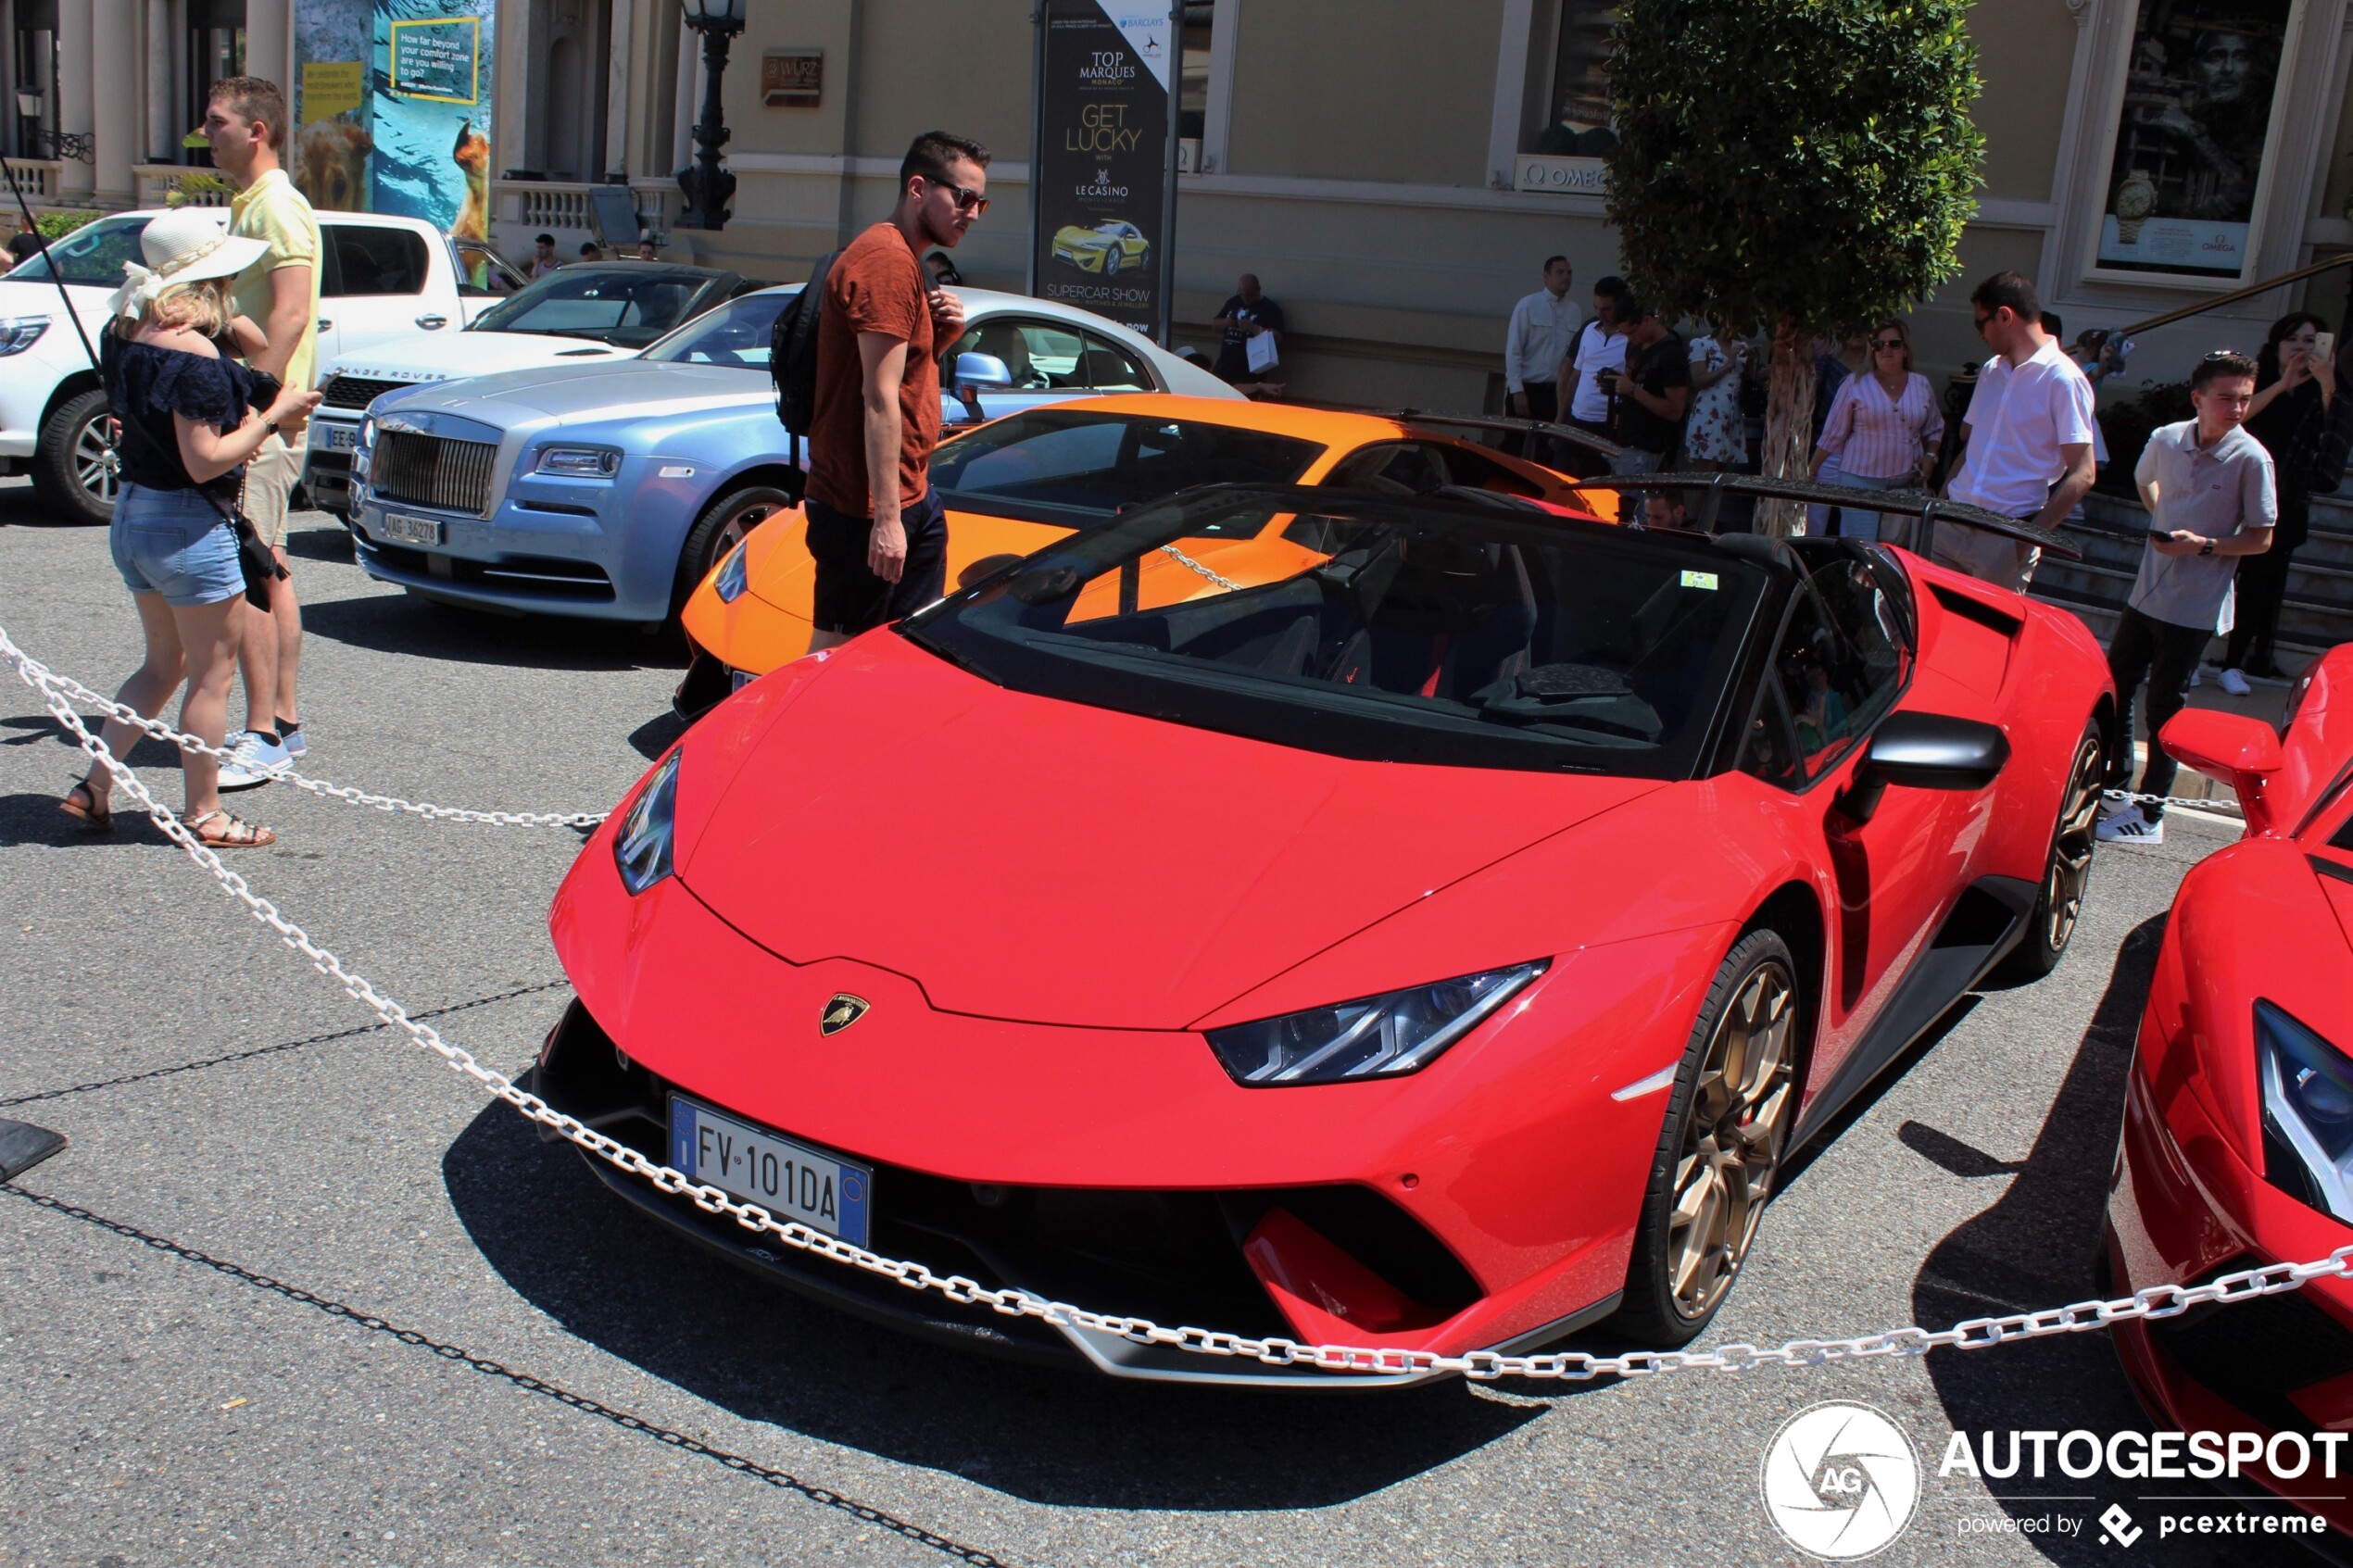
point(386, 278)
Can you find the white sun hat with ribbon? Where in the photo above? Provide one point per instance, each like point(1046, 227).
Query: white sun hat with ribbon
point(188, 244)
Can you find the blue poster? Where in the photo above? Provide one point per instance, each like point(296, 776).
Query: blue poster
point(429, 103)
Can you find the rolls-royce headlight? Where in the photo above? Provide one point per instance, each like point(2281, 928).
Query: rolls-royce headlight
point(2308, 1112)
point(1383, 1036)
point(642, 849)
point(579, 462)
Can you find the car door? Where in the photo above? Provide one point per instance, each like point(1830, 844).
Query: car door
point(484, 277)
point(375, 289)
point(1839, 667)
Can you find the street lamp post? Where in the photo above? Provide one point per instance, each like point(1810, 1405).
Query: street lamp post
point(708, 185)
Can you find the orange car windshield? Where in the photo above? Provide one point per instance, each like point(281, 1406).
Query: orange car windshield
point(1465, 629)
point(1078, 468)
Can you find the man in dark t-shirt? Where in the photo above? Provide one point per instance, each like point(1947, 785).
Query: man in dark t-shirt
point(875, 526)
point(1651, 392)
point(1244, 317)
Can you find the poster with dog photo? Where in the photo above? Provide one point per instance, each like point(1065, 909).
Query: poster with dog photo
point(331, 162)
point(429, 91)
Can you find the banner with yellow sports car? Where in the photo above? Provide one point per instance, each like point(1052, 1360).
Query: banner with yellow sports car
point(1104, 171)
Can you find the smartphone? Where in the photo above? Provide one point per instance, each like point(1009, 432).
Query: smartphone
point(2323, 346)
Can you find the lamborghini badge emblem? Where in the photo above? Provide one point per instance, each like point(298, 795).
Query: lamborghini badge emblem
point(841, 1012)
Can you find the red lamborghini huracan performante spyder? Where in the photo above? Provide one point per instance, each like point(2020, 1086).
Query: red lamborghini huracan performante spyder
point(2237, 1145)
point(1440, 941)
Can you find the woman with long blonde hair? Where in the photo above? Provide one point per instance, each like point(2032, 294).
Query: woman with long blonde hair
point(187, 427)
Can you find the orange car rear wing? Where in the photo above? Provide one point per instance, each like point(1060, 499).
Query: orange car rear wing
point(1712, 487)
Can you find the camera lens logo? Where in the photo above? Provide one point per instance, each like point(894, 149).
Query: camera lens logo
point(1840, 1482)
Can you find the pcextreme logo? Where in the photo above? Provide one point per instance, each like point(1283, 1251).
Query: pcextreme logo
point(1839, 1480)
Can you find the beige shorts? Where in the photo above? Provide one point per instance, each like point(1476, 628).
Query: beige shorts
point(1989, 557)
point(271, 474)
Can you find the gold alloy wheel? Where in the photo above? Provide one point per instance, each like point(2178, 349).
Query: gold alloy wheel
point(1733, 1142)
point(2071, 852)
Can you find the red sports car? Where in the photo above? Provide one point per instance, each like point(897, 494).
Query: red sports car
point(2237, 1147)
point(1440, 944)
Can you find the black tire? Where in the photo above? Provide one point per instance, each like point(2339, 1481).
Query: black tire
point(1675, 1282)
point(721, 526)
point(2067, 869)
point(74, 469)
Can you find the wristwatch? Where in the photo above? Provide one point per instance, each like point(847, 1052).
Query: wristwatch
point(2206, 548)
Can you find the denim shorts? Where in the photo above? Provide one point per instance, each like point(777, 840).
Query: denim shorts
point(174, 543)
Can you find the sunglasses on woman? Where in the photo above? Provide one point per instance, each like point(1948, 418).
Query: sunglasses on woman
point(1890, 345)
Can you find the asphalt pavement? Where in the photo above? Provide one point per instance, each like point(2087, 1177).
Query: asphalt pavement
point(296, 1294)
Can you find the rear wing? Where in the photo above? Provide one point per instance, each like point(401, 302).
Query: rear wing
point(1599, 445)
point(1706, 492)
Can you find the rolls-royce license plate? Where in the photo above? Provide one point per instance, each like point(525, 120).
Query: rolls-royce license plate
point(402, 529)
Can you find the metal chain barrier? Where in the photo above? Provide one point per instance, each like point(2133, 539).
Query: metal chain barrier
point(1226, 583)
point(2196, 802)
point(48, 683)
point(1975, 1334)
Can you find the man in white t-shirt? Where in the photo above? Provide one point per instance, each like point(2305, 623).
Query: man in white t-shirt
point(2029, 434)
point(1601, 346)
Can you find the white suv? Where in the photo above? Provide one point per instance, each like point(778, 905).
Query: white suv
point(386, 278)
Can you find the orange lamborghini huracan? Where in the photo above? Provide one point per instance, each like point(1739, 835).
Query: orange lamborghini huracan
point(1020, 483)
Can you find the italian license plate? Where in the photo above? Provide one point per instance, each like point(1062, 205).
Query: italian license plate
point(402, 529)
point(338, 438)
point(740, 679)
point(783, 1176)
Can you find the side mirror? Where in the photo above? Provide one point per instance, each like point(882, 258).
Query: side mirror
point(975, 372)
point(2229, 748)
point(1925, 751)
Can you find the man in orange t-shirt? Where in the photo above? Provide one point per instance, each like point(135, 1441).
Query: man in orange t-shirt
point(875, 529)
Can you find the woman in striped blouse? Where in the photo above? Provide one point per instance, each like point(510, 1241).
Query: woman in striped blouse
point(1883, 428)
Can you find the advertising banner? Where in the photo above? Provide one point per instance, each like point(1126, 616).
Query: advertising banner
point(1104, 182)
point(429, 112)
point(331, 141)
point(2193, 138)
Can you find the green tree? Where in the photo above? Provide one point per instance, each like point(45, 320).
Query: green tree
point(1799, 165)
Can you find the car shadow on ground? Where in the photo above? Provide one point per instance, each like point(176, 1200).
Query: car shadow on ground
point(1065, 1438)
point(21, 507)
point(407, 624)
point(2037, 1247)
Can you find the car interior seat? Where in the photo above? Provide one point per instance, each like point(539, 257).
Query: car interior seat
point(1457, 617)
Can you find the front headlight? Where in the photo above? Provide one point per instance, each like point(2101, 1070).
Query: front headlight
point(2307, 1113)
point(579, 462)
point(735, 576)
point(21, 332)
point(641, 850)
point(367, 436)
point(1383, 1036)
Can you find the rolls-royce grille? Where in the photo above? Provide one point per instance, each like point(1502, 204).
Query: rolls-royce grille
point(357, 392)
point(425, 470)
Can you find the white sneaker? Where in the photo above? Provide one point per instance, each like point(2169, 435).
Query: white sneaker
point(2130, 827)
point(2234, 682)
point(253, 762)
point(2197, 675)
point(290, 736)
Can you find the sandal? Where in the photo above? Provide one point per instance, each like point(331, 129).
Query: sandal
point(87, 811)
point(228, 832)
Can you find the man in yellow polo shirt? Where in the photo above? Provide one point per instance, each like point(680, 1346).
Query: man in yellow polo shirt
point(245, 122)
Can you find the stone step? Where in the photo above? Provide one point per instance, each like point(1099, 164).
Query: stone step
point(2099, 611)
point(2307, 623)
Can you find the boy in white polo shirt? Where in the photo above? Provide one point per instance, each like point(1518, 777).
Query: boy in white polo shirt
point(2207, 485)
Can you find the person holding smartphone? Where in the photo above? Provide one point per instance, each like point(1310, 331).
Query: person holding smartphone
point(2295, 378)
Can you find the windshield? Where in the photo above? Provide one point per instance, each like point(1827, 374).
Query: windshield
point(628, 305)
point(92, 254)
point(1078, 466)
point(736, 334)
point(1465, 632)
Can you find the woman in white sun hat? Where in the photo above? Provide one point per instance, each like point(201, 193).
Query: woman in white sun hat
point(187, 427)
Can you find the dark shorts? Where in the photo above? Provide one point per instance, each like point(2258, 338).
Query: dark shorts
point(850, 598)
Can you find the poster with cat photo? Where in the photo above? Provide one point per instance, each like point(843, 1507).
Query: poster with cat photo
point(429, 112)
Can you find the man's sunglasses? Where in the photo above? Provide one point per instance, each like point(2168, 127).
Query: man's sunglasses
point(966, 200)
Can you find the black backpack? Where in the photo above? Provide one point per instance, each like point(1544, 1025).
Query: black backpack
point(792, 353)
